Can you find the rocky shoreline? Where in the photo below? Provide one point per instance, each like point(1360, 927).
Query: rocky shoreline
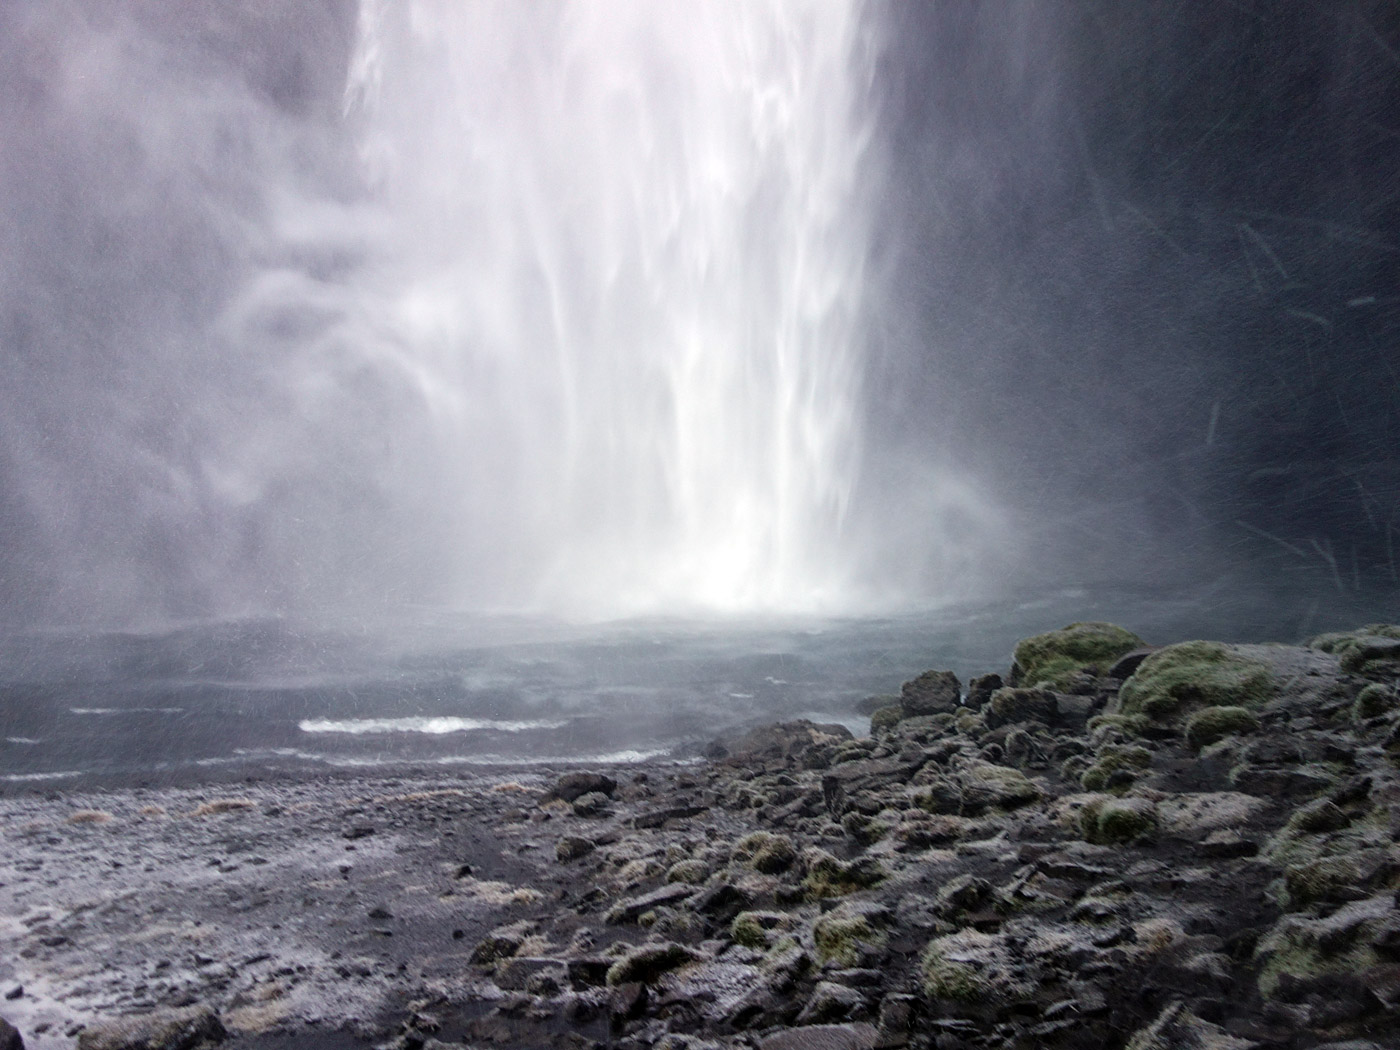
point(1109, 845)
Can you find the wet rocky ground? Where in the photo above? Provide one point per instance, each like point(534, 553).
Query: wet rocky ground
point(1104, 845)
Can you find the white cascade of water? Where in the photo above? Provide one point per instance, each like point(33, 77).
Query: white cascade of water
point(618, 246)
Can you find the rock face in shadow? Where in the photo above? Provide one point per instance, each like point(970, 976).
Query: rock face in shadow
point(1204, 853)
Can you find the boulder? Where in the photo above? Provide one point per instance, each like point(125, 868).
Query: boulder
point(1009, 706)
point(1056, 658)
point(932, 693)
point(823, 1037)
point(573, 786)
point(780, 740)
point(1176, 1028)
point(182, 1029)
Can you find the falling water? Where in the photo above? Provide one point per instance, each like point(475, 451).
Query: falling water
point(617, 253)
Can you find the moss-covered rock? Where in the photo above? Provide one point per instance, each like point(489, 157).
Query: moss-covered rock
point(1300, 949)
point(845, 934)
point(886, 718)
point(828, 876)
point(1056, 657)
point(1114, 821)
point(1333, 878)
point(975, 970)
point(986, 785)
point(946, 979)
point(760, 929)
point(647, 963)
point(865, 830)
point(1374, 701)
point(1008, 706)
point(1211, 724)
point(695, 871)
point(1112, 759)
point(1177, 1028)
point(1370, 650)
point(1179, 680)
point(765, 852)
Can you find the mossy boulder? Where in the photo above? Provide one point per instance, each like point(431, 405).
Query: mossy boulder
point(1177, 1028)
point(1057, 657)
point(977, 787)
point(1115, 763)
point(1374, 701)
point(1300, 950)
point(976, 971)
point(1008, 706)
point(1112, 821)
point(886, 718)
point(645, 964)
point(1211, 724)
point(828, 876)
point(1339, 877)
point(1370, 650)
point(1179, 680)
point(691, 871)
point(765, 852)
point(847, 933)
point(759, 929)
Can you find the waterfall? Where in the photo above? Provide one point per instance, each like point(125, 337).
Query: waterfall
point(614, 254)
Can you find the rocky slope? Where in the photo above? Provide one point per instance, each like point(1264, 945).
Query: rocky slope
point(1196, 846)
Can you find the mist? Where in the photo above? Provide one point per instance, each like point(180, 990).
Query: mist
point(631, 308)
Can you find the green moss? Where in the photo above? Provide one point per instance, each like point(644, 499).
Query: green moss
point(1210, 724)
point(1319, 816)
point(766, 852)
point(1179, 679)
point(755, 929)
point(1340, 641)
point(1301, 948)
point(1128, 725)
point(838, 937)
point(988, 784)
point(1054, 658)
point(829, 877)
point(688, 871)
point(1373, 701)
point(945, 979)
point(967, 721)
point(1110, 821)
point(1322, 879)
point(1110, 760)
point(886, 718)
point(866, 831)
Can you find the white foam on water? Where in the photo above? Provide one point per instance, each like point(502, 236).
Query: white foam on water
point(434, 725)
point(622, 757)
point(24, 777)
point(127, 710)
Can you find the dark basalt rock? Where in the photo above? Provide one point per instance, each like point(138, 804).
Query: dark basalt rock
point(932, 693)
point(572, 786)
